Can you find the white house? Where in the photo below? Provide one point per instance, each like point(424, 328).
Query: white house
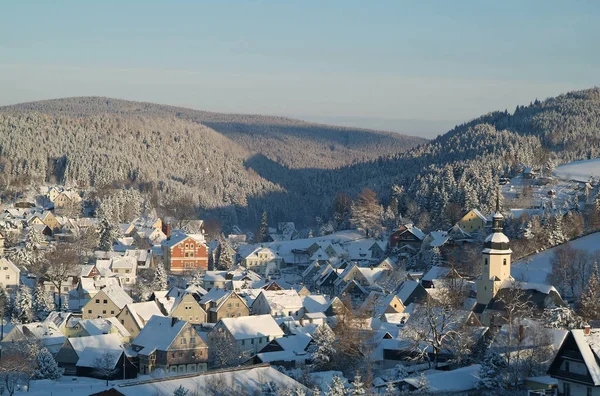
point(9, 275)
point(279, 303)
point(263, 261)
point(250, 333)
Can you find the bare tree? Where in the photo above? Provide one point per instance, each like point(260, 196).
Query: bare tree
point(14, 369)
point(435, 325)
point(58, 265)
point(105, 365)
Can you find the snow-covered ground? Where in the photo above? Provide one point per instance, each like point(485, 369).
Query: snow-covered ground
point(579, 170)
point(535, 268)
point(564, 192)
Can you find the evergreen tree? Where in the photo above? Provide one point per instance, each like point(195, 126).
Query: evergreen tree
point(226, 256)
point(490, 373)
point(23, 312)
point(181, 391)
point(43, 304)
point(557, 234)
point(423, 384)
point(589, 303)
point(400, 372)
point(324, 350)
point(108, 234)
point(160, 277)
point(528, 231)
point(336, 388)
point(263, 231)
point(367, 212)
point(47, 368)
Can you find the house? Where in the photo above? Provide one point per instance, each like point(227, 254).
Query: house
point(407, 234)
point(77, 327)
point(66, 198)
point(263, 261)
point(171, 344)
point(325, 280)
point(87, 288)
point(366, 277)
point(9, 275)
point(235, 279)
point(576, 365)
point(44, 333)
point(250, 333)
point(114, 360)
point(125, 268)
point(287, 351)
point(315, 303)
point(134, 316)
point(73, 349)
point(278, 303)
point(355, 292)
point(185, 306)
point(377, 304)
point(185, 252)
point(410, 291)
point(108, 302)
point(472, 222)
point(223, 304)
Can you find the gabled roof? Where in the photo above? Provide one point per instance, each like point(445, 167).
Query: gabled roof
point(180, 236)
point(159, 333)
point(589, 346)
point(4, 262)
point(117, 295)
point(90, 355)
point(282, 300)
point(143, 311)
point(246, 327)
point(104, 341)
point(315, 303)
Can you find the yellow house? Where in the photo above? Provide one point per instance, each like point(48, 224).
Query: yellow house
point(473, 221)
point(94, 327)
point(107, 303)
point(135, 316)
point(186, 307)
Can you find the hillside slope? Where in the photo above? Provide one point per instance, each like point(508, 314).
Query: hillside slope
point(291, 143)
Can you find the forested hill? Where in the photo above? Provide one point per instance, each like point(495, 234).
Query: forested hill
point(240, 165)
point(289, 142)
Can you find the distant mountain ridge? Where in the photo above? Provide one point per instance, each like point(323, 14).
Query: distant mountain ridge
point(290, 142)
point(236, 166)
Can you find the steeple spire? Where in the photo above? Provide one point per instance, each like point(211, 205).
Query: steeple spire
point(498, 200)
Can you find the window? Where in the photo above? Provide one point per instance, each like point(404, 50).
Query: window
point(186, 254)
point(567, 367)
point(187, 246)
point(104, 312)
point(192, 341)
point(485, 262)
point(243, 342)
point(112, 312)
point(252, 341)
point(173, 355)
point(122, 322)
point(567, 391)
point(191, 318)
point(180, 354)
point(5, 268)
point(89, 311)
point(105, 302)
point(589, 391)
point(183, 341)
point(504, 261)
point(192, 246)
point(7, 276)
point(97, 301)
point(229, 305)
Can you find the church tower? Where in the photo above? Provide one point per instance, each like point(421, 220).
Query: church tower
point(496, 257)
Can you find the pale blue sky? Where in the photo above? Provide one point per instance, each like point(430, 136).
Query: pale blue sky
point(390, 64)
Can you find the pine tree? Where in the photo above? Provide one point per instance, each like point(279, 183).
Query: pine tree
point(589, 303)
point(263, 231)
point(490, 373)
point(423, 384)
point(336, 388)
point(160, 278)
point(47, 368)
point(557, 235)
point(324, 349)
point(226, 258)
point(108, 234)
point(43, 304)
point(181, 391)
point(400, 372)
point(23, 312)
point(528, 231)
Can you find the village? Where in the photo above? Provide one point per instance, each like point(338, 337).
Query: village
point(159, 306)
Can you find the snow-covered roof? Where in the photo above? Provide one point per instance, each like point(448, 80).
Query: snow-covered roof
point(497, 237)
point(179, 236)
point(282, 300)
point(315, 303)
point(159, 333)
point(477, 213)
point(4, 262)
point(104, 341)
point(459, 380)
point(589, 346)
point(540, 287)
point(248, 379)
point(143, 311)
point(46, 332)
point(405, 289)
point(246, 327)
point(438, 238)
point(91, 357)
point(117, 295)
point(436, 272)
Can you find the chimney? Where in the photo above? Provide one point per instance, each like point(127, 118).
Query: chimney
point(521, 333)
point(173, 321)
point(586, 330)
point(168, 231)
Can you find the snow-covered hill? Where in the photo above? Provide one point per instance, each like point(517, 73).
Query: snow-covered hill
point(535, 268)
point(579, 170)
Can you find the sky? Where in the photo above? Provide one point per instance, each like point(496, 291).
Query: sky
point(417, 67)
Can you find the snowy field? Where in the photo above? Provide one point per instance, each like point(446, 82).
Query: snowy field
point(565, 192)
point(579, 170)
point(535, 268)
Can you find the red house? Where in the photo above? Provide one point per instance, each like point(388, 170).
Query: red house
point(185, 252)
